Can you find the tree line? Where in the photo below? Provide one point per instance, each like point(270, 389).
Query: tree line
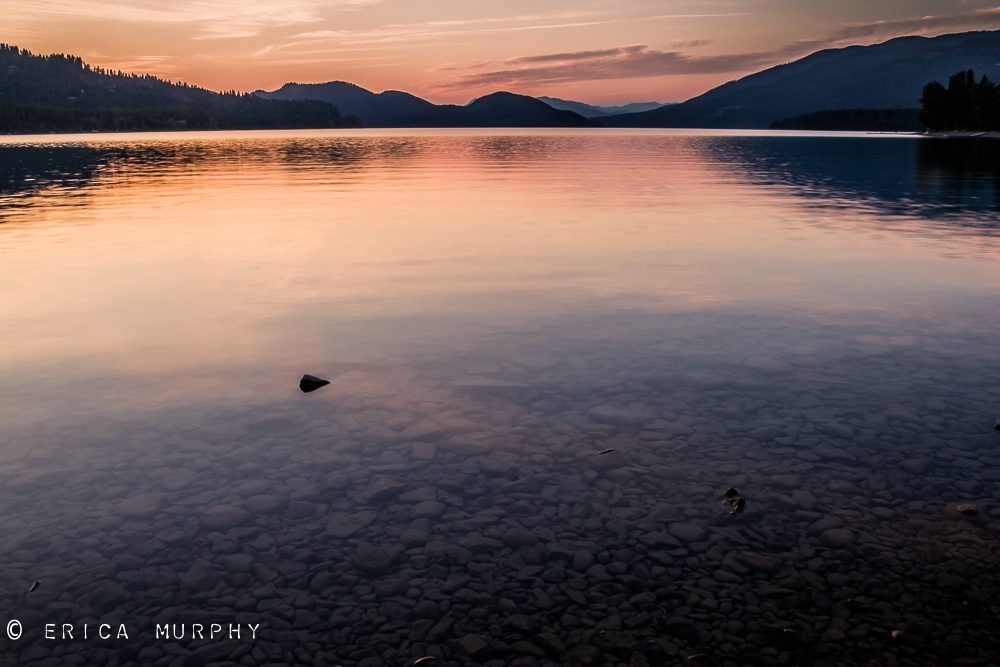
point(965, 105)
point(60, 93)
point(853, 120)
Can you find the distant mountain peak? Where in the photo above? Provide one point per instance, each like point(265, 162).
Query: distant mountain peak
point(888, 75)
point(394, 108)
point(597, 111)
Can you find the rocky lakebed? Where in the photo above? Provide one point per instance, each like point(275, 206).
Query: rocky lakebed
point(546, 510)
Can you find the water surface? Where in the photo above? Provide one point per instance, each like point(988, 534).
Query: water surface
point(808, 319)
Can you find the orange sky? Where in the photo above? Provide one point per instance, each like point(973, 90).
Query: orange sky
point(597, 51)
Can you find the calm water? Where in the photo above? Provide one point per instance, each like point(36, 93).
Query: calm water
point(811, 320)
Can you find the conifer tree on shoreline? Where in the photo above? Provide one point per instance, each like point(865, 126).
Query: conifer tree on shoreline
point(964, 106)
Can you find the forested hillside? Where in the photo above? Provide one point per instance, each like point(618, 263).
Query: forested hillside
point(60, 93)
point(889, 75)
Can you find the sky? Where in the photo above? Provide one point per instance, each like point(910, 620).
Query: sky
point(452, 51)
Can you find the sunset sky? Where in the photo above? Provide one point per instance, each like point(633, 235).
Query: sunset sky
point(597, 51)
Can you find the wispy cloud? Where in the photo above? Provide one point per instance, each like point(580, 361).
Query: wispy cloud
point(209, 19)
point(690, 43)
point(627, 62)
point(984, 19)
point(640, 61)
point(437, 30)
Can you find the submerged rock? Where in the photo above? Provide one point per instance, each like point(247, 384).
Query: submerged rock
point(379, 491)
point(310, 383)
point(686, 532)
point(374, 559)
point(837, 538)
point(968, 509)
point(345, 524)
point(224, 517)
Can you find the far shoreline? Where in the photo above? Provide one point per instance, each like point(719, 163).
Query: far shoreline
point(13, 138)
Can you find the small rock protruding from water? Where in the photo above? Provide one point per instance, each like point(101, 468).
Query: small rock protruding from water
point(735, 501)
point(897, 634)
point(968, 509)
point(34, 586)
point(310, 383)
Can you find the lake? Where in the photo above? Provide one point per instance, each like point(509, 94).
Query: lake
point(550, 354)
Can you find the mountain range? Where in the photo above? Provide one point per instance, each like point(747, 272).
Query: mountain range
point(595, 111)
point(394, 108)
point(890, 75)
point(61, 93)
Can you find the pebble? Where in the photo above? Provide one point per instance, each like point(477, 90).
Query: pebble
point(140, 506)
point(967, 509)
point(471, 644)
point(345, 524)
point(379, 491)
point(519, 537)
point(427, 509)
point(837, 538)
point(374, 559)
point(759, 562)
point(225, 517)
point(686, 532)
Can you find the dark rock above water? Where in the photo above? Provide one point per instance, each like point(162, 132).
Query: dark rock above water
point(310, 383)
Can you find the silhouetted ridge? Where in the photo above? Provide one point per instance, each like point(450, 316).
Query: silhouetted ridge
point(889, 75)
point(595, 111)
point(511, 110)
point(394, 108)
point(61, 93)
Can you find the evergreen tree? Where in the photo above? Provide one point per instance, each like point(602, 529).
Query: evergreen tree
point(934, 106)
point(965, 105)
point(986, 105)
point(960, 105)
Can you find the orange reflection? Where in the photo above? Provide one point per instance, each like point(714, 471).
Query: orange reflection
point(195, 253)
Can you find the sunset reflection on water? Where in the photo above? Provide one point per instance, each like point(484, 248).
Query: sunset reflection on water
point(211, 255)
